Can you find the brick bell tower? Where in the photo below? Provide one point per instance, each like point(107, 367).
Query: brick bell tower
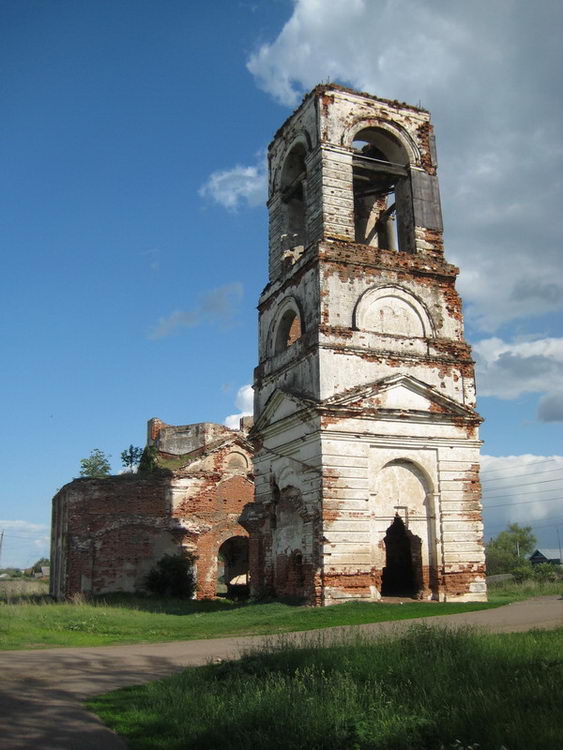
point(367, 460)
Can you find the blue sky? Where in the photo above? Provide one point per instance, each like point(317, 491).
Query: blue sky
point(133, 228)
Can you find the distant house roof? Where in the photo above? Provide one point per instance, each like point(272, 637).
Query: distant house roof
point(545, 555)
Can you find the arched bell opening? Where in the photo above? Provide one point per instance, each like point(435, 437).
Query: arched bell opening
point(288, 330)
point(402, 574)
point(232, 568)
point(382, 193)
point(293, 188)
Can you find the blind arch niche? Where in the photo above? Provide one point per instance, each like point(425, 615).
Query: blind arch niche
point(391, 310)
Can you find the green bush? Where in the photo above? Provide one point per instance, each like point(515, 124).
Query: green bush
point(172, 576)
point(149, 461)
point(522, 572)
point(544, 572)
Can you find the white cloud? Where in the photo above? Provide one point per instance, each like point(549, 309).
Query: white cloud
point(24, 543)
point(489, 78)
point(509, 369)
point(244, 402)
point(376, 46)
point(524, 489)
point(240, 185)
point(217, 306)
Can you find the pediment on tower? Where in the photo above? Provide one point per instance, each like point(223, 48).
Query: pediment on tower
point(280, 405)
point(400, 394)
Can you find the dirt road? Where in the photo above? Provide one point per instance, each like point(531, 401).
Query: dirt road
point(41, 692)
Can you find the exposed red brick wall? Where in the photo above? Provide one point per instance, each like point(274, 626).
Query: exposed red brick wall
point(108, 533)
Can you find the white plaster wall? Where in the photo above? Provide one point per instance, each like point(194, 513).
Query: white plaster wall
point(348, 112)
point(439, 513)
point(341, 370)
point(304, 290)
point(341, 297)
point(291, 459)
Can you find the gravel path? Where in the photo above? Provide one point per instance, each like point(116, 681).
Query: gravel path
point(41, 692)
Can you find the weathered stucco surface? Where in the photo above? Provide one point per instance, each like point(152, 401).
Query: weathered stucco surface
point(108, 533)
point(366, 435)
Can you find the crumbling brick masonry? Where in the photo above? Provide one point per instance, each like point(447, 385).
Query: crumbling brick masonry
point(366, 434)
point(108, 533)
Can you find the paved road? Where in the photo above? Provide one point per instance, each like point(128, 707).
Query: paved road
point(41, 692)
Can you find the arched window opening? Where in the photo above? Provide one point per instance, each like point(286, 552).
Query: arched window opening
point(289, 331)
point(237, 462)
point(232, 568)
point(382, 205)
point(293, 196)
point(403, 560)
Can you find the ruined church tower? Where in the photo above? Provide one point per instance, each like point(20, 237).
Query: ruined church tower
point(366, 434)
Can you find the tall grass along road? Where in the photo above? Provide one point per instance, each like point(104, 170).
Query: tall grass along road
point(425, 689)
point(41, 623)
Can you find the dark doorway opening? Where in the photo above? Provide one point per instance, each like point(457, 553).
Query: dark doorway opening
point(399, 574)
point(232, 568)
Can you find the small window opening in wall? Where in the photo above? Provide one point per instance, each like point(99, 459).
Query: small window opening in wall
point(289, 331)
point(379, 190)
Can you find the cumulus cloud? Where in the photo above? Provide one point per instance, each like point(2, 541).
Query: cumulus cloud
point(524, 489)
point(24, 543)
point(241, 185)
point(244, 402)
point(508, 369)
point(218, 306)
point(489, 78)
point(550, 407)
point(374, 45)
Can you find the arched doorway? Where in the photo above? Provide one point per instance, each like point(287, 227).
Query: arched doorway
point(232, 567)
point(401, 574)
point(403, 507)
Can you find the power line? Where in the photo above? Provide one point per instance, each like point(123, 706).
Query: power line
point(554, 522)
point(516, 494)
point(526, 484)
point(529, 464)
point(523, 502)
point(518, 476)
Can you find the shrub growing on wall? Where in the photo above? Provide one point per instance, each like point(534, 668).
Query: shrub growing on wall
point(173, 575)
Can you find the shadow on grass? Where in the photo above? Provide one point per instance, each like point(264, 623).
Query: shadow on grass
point(154, 604)
point(177, 606)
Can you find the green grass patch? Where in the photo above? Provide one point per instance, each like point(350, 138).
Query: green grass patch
point(505, 592)
point(143, 620)
point(124, 619)
point(426, 689)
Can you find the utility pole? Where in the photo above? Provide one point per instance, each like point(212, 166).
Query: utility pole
point(1, 540)
point(558, 540)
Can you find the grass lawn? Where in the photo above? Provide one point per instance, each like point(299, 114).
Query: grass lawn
point(427, 689)
point(127, 619)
